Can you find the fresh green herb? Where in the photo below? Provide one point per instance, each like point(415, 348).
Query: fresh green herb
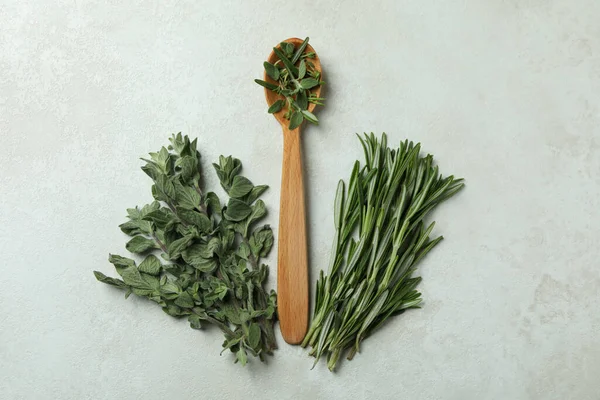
point(380, 238)
point(296, 80)
point(213, 271)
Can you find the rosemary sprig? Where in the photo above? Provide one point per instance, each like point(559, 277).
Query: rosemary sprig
point(380, 238)
point(296, 78)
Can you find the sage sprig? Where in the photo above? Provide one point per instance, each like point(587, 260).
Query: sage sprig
point(211, 270)
point(380, 238)
point(296, 80)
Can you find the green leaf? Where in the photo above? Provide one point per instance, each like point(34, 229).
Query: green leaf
point(200, 256)
point(178, 246)
point(231, 344)
point(185, 300)
point(296, 120)
point(120, 262)
point(255, 193)
point(244, 251)
point(187, 197)
point(213, 202)
point(240, 187)
point(172, 310)
point(241, 356)
point(165, 188)
point(132, 277)
point(232, 314)
point(218, 292)
point(160, 218)
point(309, 83)
point(292, 70)
point(170, 287)
point(110, 281)
point(195, 321)
point(271, 70)
point(276, 107)
point(267, 85)
point(254, 336)
point(151, 265)
point(205, 265)
point(310, 117)
point(140, 244)
point(188, 166)
point(302, 100)
point(300, 51)
point(287, 48)
point(261, 241)
point(258, 211)
point(199, 250)
point(136, 227)
point(198, 219)
point(339, 202)
point(237, 210)
point(152, 170)
point(152, 282)
point(301, 69)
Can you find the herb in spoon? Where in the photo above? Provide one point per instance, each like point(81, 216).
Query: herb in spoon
point(293, 82)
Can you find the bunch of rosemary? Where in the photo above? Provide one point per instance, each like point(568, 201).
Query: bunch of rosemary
point(295, 78)
point(212, 251)
point(380, 238)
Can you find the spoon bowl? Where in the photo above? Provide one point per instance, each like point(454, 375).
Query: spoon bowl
point(272, 97)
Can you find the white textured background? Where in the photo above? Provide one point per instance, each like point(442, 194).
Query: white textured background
point(504, 92)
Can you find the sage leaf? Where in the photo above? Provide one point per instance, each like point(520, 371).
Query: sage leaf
point(301, 69)
point(267, 85)
point(296, 120)
point(292, 70)
point(310, 117)
point(271, 70)
point(276, 107)
point(288, 48)
point(309, 83)
point(302, 100)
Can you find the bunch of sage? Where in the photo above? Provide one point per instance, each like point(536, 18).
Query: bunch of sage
point(295, 79)
point(211, 269)
point(380, 239)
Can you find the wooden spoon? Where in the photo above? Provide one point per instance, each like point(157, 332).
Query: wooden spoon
point(292, 263)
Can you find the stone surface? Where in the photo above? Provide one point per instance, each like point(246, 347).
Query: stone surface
point(504, 92)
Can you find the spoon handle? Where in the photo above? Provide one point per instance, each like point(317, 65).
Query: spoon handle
point(292, 263)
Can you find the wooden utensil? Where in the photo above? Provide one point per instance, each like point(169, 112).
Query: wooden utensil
point(292, 263)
